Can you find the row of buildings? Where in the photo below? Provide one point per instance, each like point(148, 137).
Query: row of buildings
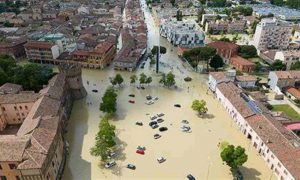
point(276, 144)
point(134, 38)
point(32, 126)
point(183, 33)
point(84, 33)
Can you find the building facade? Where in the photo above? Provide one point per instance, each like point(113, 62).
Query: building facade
point(35, 149)
point(272, 34)
point(278, 146)
point(288, 57)
point(277, 80)
point(242, 64)
point(43, 52)
point(182, 33)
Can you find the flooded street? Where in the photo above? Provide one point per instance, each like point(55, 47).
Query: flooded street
point(193, 153)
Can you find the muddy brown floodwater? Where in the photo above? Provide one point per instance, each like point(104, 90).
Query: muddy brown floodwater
point(193, 153)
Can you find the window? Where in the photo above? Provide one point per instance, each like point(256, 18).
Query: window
point(52, 163)
point(272, 156)
point(12, 166)
point(26, 107)
point(0, 167)
point(279, 165)
point(22, 114)
point(3, 108)
point(268, 151)
point(285, 172)
point(20, 107)
point(3, 178)
point(15, 107)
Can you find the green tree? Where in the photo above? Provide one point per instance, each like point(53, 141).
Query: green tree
point(179, 15)
point(234, 157)
point(200, 14)
point(195, 55)
point(172, 2)
point(293, 4)
point(8, 24)
point(3, 77)
point(133, 78)
point(216, 62)
point(247, 51)
point(105, 139)
point(168, 79)
point(148, 80)
point(295, 66)
point(143, 78)
point(199, 106)
point(109, 101)
point(278, 65)
point(277, 2)
point(162, 50)
point(119, 79)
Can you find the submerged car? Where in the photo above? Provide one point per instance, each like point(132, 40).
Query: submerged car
point(152, 123)
point(184, 122)
point(160, 120)
point(148, 97)
point(154, 126)
point(139, 123)
point(141, 148)
point(162, 129)
point(177, 105)
point(131, 166)
point(156, 136)
point(161, 159)
point(190, 177)
point(160, 114)
point(131, 101)
point(110, 164)
point(95, 90)
point(131, 95)
point(139, 151)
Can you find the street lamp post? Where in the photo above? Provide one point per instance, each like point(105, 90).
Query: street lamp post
point(158, 53)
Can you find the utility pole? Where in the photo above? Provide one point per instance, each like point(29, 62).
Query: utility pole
point(158, 53)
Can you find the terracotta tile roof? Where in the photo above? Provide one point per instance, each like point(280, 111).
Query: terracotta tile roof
point(10, 88)
point(241, 61)
point(38, 45)
point(295, 92)
point(12, 147)
point(223, 45)
point(22, 97)
point(279, 140)
point(245, 78)
point(288, 74)
point(103, 47)
point(45, 106)
point(232, 93)
point(218, 75)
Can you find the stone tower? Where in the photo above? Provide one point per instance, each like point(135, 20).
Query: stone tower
point(74, 80)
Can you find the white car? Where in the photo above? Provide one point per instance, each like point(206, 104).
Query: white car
point(161, 159)
point(110, 164)
point(149, 102)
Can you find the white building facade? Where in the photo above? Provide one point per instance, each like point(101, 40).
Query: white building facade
point(182, 33)
point(272, 34)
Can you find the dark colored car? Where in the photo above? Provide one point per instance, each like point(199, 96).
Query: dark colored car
point(152, 123)
point(191, 177)
point(139, 123)
point(177, 105)
point(160, 120)
point(95, 90)
point(148, 97)
point(131, 95)
point(131, 166)
point(162, 129)
point(142, 88)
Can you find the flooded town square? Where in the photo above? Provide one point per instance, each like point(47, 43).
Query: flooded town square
point(194, 153)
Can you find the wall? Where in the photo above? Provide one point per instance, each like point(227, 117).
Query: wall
point(15, 113)
point(7, 171)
